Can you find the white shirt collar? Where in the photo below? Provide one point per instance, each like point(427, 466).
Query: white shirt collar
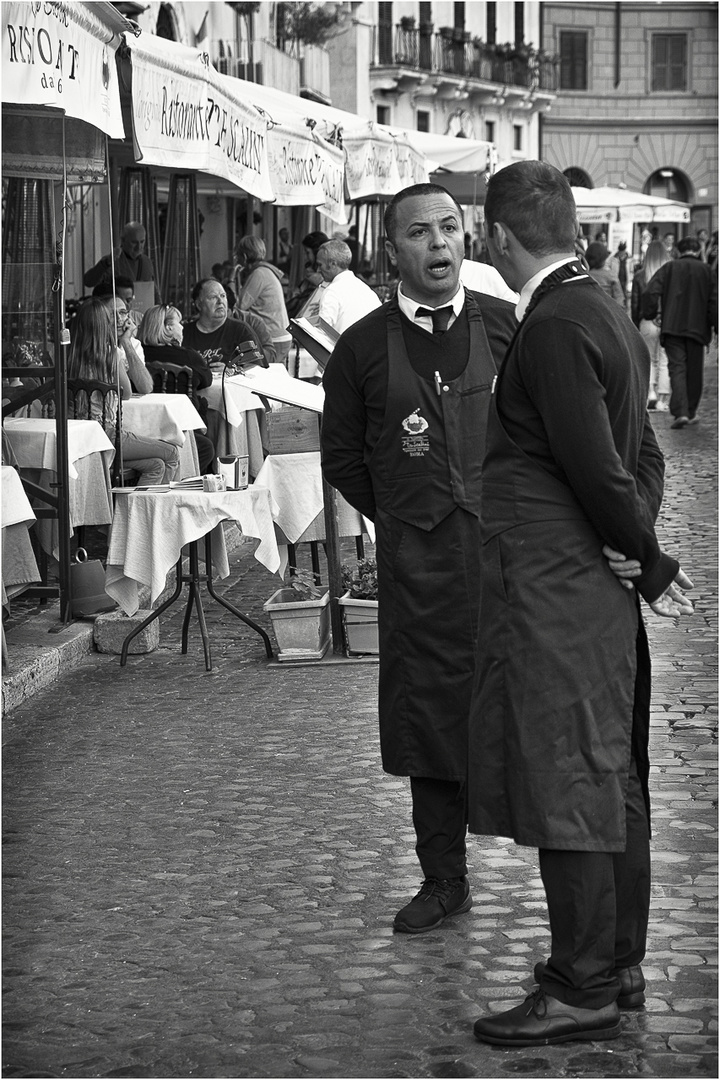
point(409, 307)
point(531, 285)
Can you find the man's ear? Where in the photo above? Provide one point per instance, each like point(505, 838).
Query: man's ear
point(501, 235)
point(390, 250)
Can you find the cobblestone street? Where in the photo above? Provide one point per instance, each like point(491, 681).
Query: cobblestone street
point(201, 869)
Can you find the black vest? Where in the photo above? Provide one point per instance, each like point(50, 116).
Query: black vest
point(428, 459)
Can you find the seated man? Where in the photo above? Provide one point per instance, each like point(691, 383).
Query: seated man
point(218, 338)
point(129, 261)
point(346, 298)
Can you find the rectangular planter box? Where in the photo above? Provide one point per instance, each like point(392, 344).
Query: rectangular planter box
point(302, 627)
point(360, 623)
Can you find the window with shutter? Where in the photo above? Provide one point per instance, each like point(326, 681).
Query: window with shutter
point(669, 62)
point(573, 60)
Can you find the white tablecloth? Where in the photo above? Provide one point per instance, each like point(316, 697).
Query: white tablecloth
point(19, 567)
point(238, 399)
point(15, 503)
point(90, 455)
point(150, 529)
point(34, 442)
point(161, 416)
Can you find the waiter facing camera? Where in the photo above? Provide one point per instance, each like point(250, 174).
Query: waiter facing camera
point(406, 399)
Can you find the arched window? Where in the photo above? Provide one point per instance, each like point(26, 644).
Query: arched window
point(166, 23)
point(577, 177)
point(668, 184)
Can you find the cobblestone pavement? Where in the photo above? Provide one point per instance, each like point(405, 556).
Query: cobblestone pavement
point(201, 869)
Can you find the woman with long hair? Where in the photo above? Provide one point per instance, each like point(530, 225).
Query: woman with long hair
point(94, 355)
point(161, 334)
point(659, 393)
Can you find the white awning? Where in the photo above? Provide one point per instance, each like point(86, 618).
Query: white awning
point(62, 56)
point(619, 204)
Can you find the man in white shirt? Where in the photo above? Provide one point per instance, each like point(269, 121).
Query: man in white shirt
point(346, 298)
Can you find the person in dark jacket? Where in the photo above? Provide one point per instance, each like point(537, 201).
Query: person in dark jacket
point(571, 485)
point(406, 397)
point(686, 292)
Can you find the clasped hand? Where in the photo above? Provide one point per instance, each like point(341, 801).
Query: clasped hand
point(671, 603)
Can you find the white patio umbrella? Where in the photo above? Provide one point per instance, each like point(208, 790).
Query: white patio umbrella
point(608, 204)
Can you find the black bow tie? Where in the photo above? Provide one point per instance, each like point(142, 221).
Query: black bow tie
point(440, 317)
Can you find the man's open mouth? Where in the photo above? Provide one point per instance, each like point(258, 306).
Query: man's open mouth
point(440, 267)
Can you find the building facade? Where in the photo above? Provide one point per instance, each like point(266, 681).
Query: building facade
point(472, 70)
point(637, 100)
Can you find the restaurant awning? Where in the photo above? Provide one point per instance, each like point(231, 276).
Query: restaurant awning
point(62, 56)
point(186, 115)
point(605, 204)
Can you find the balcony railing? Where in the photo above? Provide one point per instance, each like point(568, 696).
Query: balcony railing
point(266, 65)
point(315, 70)
point(453, 54)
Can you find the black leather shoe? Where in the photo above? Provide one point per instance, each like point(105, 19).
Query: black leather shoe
point(543, 1020)
point(632, 984)
point(437, 900)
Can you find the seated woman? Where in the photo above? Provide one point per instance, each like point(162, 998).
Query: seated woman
point(160, 333)
point(93, 355)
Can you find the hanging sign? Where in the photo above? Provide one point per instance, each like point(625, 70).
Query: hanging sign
point(411, 164)
point(62, 56)
point(371, 166)
point(187, 116)
point(305, 170)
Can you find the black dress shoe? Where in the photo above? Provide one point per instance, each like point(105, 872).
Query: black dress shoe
point(632, 984)
point(543, 1020)
point(438, 899)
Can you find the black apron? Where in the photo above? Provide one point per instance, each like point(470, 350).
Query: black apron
point(562, 685)
point(426, 473)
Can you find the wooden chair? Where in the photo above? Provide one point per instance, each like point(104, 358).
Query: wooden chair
point(177, 379)
point(90, 399)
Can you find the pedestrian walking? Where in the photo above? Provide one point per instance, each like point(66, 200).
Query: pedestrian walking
point(406, 397)
point(559, 720)
point(659, 390)
point(684, 294)
point(597, 255)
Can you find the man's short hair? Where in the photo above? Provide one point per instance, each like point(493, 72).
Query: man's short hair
point(253, 248)
point(105, 288)
point(390, 219)
point(689, 243)
point(535, 201)
point(200, 285)
point(132, 227)
point(338, 252)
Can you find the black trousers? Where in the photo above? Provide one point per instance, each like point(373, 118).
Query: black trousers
point(440, 820)
point(686, 358)
point(599, 904)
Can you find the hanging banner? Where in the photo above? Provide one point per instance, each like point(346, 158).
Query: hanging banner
point(371, 166)
point(62, 56)
point(305, 170)
point(187, 116)
point(412, 166)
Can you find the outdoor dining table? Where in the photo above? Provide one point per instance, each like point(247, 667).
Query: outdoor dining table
point(238, 434)
point(90, 455)
point(19, 567)
point(295, 482)
point(170, 417)
point(150, 530)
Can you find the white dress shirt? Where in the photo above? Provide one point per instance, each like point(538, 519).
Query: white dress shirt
point(486, 279)
point(532, 283)
point(409, 307)
point(345, 300)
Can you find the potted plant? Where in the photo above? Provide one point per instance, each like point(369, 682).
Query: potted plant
point(300, 616)
point(359, 606)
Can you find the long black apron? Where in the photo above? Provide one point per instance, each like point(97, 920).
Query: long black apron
point(429, 573)
point(563, 685)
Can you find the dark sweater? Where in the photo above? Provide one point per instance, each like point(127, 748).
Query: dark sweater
point(177, 354)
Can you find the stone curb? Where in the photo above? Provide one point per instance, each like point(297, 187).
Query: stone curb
point(42, 648)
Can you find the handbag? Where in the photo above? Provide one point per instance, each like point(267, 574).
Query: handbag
point(87, 587)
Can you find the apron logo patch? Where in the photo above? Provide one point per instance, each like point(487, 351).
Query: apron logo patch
point(415, 443)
